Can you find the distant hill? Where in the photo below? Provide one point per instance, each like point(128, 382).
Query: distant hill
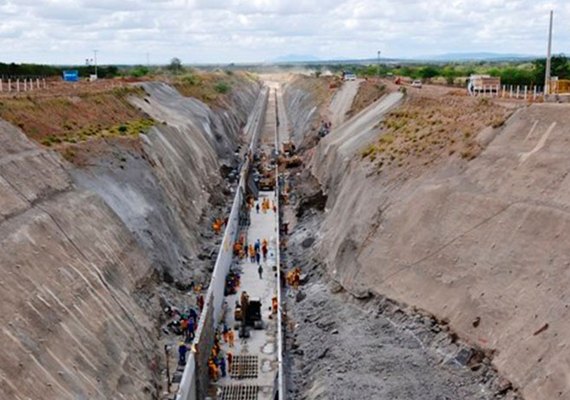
point(296, 58)
point(481, 56)
point(438, 58)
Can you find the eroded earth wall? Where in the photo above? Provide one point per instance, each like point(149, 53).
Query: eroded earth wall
point(70, 326)
point(482, 243)
point(166, 197)
point(79, 245)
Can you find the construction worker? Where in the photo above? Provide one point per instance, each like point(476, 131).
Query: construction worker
point(217, 226)
point(231, 337)
point(190, 329)
point(225, 331)
point(223, 365)
point(237, 249)
point(192, 315)
point(213, 370)
point(230, 359)
point(182, 350)
point(264, 251)
point(200, 301)
point(184, 327)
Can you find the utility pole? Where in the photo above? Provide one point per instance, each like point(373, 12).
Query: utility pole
point(95, 60)
point(548, 57)
point(379, 64)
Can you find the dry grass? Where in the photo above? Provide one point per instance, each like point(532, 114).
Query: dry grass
point(59, 119)
point(368, 92)
point(427, 129)
point(79, 119)
point(211, 88)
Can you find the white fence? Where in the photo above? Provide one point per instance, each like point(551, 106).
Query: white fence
point(21, 84)
point(524, 92)
point(214, 300)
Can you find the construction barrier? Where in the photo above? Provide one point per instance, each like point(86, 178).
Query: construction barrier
point(280, 377)
point(195, 377)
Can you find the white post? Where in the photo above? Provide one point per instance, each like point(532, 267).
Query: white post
point(511, 91)
point(498, 90)
point(518, 91)
point(37, 83)
point(25, 84)
point(547, 88)
point(534, 94)
point(1, 88)
point(45, 84)
point(525, 91)
point(17, 85)
point(9, 84)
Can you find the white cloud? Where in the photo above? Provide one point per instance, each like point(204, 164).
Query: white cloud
point(66, 31)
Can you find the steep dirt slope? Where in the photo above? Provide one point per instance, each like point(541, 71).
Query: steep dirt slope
point(342, 101)
point(306, 102)
point(82, 245)
point(166, 191)
point(69, 268)
point(480, 243)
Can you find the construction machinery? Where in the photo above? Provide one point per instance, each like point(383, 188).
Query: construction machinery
point(483, 84)
point(290, 162)
point(289, 148)
point(267, 183)
point(248, 315)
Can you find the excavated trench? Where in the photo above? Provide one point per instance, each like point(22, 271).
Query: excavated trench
point(345, 339)
point(397, 300)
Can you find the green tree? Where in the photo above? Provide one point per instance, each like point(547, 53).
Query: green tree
point(429, 72)
point(560, 68)
point(175, 65)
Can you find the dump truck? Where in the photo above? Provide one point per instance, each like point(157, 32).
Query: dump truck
point(483, 84)
point(289, 147)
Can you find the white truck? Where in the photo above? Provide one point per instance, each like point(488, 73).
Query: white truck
point(480, 84)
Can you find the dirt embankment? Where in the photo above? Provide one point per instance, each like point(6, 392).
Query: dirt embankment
point(306, 102)
point(369, 91)
point(86, 248)
point(474, 240)
point(69, 269)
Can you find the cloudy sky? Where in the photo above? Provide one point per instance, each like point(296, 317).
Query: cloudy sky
point(124, 31)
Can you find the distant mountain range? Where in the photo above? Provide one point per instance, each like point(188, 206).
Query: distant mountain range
point(296, 58)
point(481, 56)
point(448, 57)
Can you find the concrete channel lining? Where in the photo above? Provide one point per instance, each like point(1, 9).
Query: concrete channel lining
point(192, 385)
point(280, 378)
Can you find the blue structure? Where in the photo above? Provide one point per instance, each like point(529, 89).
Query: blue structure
point(71, 76)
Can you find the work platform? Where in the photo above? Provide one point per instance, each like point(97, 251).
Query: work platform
point(255, 360)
